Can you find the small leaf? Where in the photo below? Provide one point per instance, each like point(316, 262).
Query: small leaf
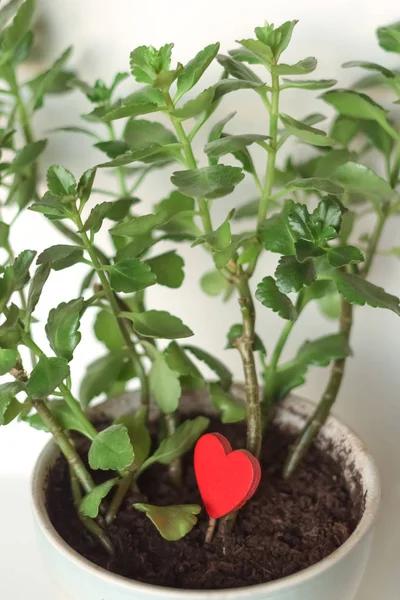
point(138, 434)
point(164, 384)
point(269, 295)
point(257, 48)
point(196, 106)
point(324, 186)
point(150, 154)
point(97, 215)
point(327, 219)
point(309, 84)
point(159, 324)
point(369, 66)
point(322, 351)
point(305, 133)
point(50, 206)
point(8, 392)
point(344, 255)
point(232, 143)
point(236, 331)
point(209, 182)
point(237, 69)
point(52, 81)
point(62, 328)
point(358, 291)
point(85, 185)
point(300, 222)
point(232, 410)
point(15, 33)
point(140, 226)
point(292, 275)
point(35, 289)
point(354, 104)
point(178, 360)
point(8, 12)
point(344, 129)
point(113, 148)
point(275, 233)
point(360, 179)
point(168, 269)
point(8, 359)
point(303, 67)
point(180, 442)
point(389, 37)
point(90, 505)
point(195, 68)
point(61, 183)
point(111, 449)
point(172, 522)
point(100, 376)
point(28, 155)
point(107, 331)
point(213, 283)
point(223, 373)
point(21, 268)
point(131, 275)
point(60, 257)
point(48, 374)
point(140, 133)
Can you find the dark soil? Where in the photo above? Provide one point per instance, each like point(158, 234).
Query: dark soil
point(286, 526)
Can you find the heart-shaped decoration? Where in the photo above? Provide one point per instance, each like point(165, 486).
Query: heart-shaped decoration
point(227, 479)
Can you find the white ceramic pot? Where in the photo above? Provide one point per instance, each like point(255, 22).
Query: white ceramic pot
point(337, 577)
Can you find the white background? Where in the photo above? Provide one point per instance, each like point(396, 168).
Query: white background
point(103, 33)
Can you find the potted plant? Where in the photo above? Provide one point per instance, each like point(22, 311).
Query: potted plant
point(115, 499)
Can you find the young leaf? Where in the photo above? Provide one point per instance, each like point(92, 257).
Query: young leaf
point(164, 384)
point(237, 69)
point(178, 361)
point(21, 268)
point(28, 155)
point(269, 295)
point(322, 351)
point(62, 328)
point(8, 359)
point(230, 144)
point(232, 410)
point(213, 283)
point(107, 331)
point(180, 442)
point(138, 434)
point(256, 48)
point(61, 183)
point(100, 376)
point(152, 153)
point(140, 133)
point(54, 80)
point(303, 67)
point(111, 449)
point(113, 148)
point(389, 37)
point(196, 106)
point(209, 182)
point(8, 392)
point(131, 275)
point(308, 84)
point(326, 219)
point(172, 522)
point(141, 226)
point(223, 373)
point(354, 104)
point(195, 68)
point(324, 186)
point(85, 185)
point(90, 505)
point(15, 33)
point(300, 222)
point(159, 324)
point(60, 257)
point(35, 289)
point(97, 215)
point(358, 291)
point(168, 269)
point(358, 178)
point(50, 207)
point(292, 275)
point(369, 66)
point(305, 133)
point(339, 256)
point(46, 376)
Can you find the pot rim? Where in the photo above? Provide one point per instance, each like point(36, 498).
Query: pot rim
point(372, 498)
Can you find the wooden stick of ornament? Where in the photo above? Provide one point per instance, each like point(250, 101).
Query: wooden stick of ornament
point(226, 479)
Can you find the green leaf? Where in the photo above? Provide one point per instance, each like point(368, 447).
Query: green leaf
point(15, 33)
point(300, 222)
point(50, 207)
point(245, 55)
point(139, 133)
point(194, 69)
point(369, 66)
point(196, 106)
point(327, 219)
point(358, 291)
point(28, 155)
point(213, 283)
point(85, 185)
point(180, 442)
point(8, 359)
point(164, 383)
point(223, 373)
point(8, 11)
point(113, 148)
point(354, 104)
point(331, 161)
point(306, 250)
point(159, 324)
point(90, 505)
point(100, 376)
point(237, 69)
point(330, 305)
point(48, 374)
point(322, 351)
point(168, 269)
point(107, 331)
point(378, 137)
point(344, 255)
point(51, 81)
point(303, 67)
point(62, 328)
point(172, 522)
point(232, 410)
point(150, 154)
point(324, 186)
point(147, 62)
point(35, 289)
point(344, 129)
point(21, 268)
point(257, 48)
point(4, 233)
point(269, 295)
point(236, 331)
point(305, 133)
point(277, 38)
point(358, 178)
point(232, 143)
point(61, 183)
point(60, 257)
point(64, 417)
point(275, 233)
point(141, 226)
point(226, 86)
point(309, 84)
point(97, 215)
point(389, 37)
point(292, 275)
point(208, 182)
point(133, 106)
point(131, 275)
point(8, 392)
point(178, 360)
point(138, 434)
point(111, 449)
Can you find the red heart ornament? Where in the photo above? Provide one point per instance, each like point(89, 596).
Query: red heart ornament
point(227, 479)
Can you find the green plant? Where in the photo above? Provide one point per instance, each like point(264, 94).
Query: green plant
point(317, 262)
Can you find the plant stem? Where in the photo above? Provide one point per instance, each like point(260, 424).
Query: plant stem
point(374, 240)
point(210, 531)
point(122, 489)
point(120, 170)
point(99, 268)
point(175, 468)
point(91, 525)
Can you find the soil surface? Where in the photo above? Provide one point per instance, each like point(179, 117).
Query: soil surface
point(286, 526)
